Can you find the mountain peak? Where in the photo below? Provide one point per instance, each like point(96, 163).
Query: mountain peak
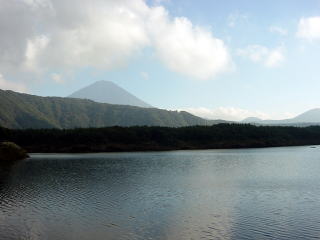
point(108, 92)
point(103, 82)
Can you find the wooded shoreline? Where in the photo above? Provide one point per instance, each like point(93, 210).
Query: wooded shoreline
point(119, 139)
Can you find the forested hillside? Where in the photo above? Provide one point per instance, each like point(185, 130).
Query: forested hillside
point(22, 111)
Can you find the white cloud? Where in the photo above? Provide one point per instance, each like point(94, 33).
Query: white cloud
point(61, 35)
point(234, 114)
point(309, 28)
point(278, 30)
point(275, 58)
point(8, 85)
point(57, 78)
point(261, 54)
point(34, 49)
point(188, 49)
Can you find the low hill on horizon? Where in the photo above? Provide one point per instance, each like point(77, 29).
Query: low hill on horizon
point(308, 118)
point(21, 111)
point(109, 92)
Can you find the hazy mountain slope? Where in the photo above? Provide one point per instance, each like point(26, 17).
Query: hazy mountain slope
point(251, 120)
point(19, 110)
point(308, 118)
point(312, 115)
point(108, 92)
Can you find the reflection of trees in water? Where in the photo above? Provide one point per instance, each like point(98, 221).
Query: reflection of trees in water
point(6, 171)
point(8, 197)
point(4, 175)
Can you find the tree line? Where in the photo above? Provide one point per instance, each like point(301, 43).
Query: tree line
point(142, 138)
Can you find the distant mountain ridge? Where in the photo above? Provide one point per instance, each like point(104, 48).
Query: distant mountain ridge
point(310, 117)
point(18, 110)
point(108, 92)
point(251, 120)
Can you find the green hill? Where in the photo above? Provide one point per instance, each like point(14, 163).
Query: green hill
point(22, 111)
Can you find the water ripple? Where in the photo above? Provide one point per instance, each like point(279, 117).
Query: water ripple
point(224, 194)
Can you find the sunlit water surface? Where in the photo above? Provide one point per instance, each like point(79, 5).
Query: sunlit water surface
point(271, 193)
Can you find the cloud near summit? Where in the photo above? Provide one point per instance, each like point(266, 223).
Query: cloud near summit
point(58, 35)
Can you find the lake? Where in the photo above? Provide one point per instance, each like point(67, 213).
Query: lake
point(270, 193)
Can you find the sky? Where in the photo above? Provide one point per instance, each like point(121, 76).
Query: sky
point(217, 59)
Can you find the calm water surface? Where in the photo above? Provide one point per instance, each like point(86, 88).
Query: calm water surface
point(271, 193)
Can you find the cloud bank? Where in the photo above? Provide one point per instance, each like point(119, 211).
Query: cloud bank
point(45, 36)
point(226, 113)
point(234, 114)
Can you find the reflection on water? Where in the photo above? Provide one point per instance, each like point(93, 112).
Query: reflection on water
point(215, 194)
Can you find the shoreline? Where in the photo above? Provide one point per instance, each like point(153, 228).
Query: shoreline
point(170, 150)
point(142, 139)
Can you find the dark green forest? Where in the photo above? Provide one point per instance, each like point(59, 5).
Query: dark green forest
point(145, 138)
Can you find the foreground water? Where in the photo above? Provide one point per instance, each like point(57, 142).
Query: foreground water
point(269, 193)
